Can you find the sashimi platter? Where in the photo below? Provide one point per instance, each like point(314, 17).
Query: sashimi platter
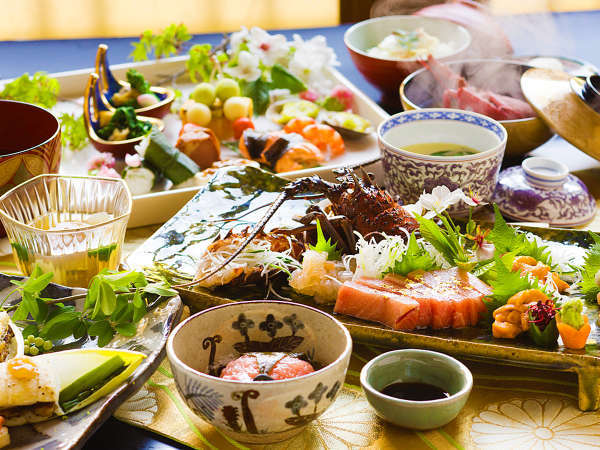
point(394, 275)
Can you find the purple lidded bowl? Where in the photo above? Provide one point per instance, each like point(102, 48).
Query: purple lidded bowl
point(542, 190)
point(408, 174)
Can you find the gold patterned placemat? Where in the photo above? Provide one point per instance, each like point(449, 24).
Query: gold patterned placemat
point(516, 408)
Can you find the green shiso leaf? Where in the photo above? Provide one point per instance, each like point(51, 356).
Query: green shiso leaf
point(323, 245)
point(415, 258)
point(589, 287)
point(508, 239)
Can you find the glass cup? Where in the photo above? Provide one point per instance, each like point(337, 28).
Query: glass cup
point(69, 225)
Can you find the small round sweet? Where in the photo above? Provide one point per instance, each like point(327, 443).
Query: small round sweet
point(227, 88)
point(26, 349)
point(199, 114)
point(33, 351)
point(31, 338)
point(39, 341)
point(236, 107)
point(145, 100)
point(204, 93)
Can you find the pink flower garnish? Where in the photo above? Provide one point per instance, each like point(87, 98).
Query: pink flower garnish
point(344, 95)
point(133, 160)
point(103, 159)
point(309, 95)
point(108, 172)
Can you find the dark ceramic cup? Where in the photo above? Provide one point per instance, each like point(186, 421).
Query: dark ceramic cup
point(29, 144)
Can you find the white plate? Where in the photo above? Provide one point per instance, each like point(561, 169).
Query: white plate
point(157, 207)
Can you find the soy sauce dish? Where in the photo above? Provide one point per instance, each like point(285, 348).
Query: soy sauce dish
point(425, 389)
point(301, 355)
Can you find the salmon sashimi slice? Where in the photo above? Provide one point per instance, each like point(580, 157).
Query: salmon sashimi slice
point(388, 308)
point(410, 321)
point(462, 289)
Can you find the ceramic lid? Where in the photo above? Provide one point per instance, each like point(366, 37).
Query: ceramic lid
point(542, 190)
point(570, 105)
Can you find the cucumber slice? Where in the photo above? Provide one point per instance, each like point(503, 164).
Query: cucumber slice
point(167, 160)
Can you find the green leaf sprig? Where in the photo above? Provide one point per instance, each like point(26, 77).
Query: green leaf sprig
point(325, 245)
point(39, 89)
point(115, 303)
point(73, 133)
point(447, 239)
point(588, 285)
point(167, 43)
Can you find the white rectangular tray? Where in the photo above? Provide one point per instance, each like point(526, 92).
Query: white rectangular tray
point(158, 207)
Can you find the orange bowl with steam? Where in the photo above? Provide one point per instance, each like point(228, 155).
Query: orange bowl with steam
point(421, 89)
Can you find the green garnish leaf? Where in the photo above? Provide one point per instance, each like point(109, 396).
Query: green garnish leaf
point(415, 258)
point(72, 131)
point(258, 91)
point(591, 266)
point(507, 284)
point(509, 239)
point(40, 89)
point(323, 245)
point(282, 79)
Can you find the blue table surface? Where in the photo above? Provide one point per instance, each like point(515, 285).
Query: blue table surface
point(572, 34)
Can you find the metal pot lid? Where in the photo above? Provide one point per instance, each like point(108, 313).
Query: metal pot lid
point(569, 105)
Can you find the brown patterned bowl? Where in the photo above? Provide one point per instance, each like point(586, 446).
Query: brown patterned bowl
point(29, 144)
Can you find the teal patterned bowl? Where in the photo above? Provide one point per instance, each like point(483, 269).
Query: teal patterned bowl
point(416, 366)
point(258, 412)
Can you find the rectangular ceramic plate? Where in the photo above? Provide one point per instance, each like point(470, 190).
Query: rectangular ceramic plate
point(237, 198)
point(72, 431)
point(157, 207)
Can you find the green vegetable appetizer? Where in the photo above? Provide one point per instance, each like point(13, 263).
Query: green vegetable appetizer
point(123, 125)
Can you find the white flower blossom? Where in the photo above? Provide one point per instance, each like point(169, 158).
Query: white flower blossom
point(247, 67)
point(440, 199)
point(310, 60)
point(269, 48)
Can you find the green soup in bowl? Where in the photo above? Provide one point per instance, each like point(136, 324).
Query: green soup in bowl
point(416, 366)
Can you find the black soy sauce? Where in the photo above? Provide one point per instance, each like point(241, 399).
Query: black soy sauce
point(420, 392)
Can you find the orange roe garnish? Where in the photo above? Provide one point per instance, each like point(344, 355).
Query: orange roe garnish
point(22, 368)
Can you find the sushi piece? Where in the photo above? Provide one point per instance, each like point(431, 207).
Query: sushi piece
point(140, 180)
point(200, 144)
point(165, 159)
point(389, 308)
point(266, 366)
point(283, 152)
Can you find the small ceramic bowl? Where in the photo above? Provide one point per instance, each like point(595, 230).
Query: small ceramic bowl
point(416, 366)
point(258, 412)
point(408, 174)
point(420, 90)
point(542, 190)
point(387, 74)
